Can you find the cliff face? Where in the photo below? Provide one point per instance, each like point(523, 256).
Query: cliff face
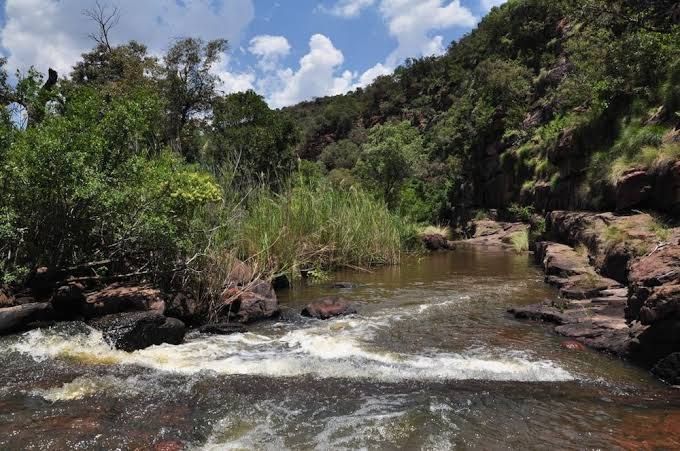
point(554, 104)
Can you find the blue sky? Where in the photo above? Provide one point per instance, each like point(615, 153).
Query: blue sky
point(287, 50)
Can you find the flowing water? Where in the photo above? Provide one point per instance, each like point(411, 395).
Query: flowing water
point(431, 362)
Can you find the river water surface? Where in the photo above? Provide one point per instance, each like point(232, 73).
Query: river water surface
point(431, 362)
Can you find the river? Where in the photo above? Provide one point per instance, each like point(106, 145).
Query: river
point(431, 362)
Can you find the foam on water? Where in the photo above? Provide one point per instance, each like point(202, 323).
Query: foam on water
point(334, 349)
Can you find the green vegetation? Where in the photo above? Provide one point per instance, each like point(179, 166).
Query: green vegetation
point(140, 165)
point(520, 241)
point(545, 104)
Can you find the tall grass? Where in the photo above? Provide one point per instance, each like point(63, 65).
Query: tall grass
point(317, 226)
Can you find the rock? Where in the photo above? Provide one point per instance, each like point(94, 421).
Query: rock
point(169, 445)
point(539, 312)
point(328, 308)
point(185, 307)
point(668, 369)
point(132, 331)
point(493, 233)
point(222, 329)
point(665, 195)
point(632, 189)
point(342, 285)
point(655, 285)
point(572, 345)
point(6, 298)
point(561, 260)
point(23, 317)
point(600, 233)
point(118, 298)
point(253, 302)
point(436, 242)
point(281, 282)
point(43, 281)
point(68, 300)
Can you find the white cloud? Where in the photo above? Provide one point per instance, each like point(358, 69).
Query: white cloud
point(269, 50)
point(349, 8)
point(412, 21)
point(236, 82)
point(316, 76)
point(488, 4)
point(371, 74)
point(52, 33)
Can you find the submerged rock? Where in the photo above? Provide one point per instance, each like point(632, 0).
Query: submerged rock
point(343, 285)
point(668, 369)
point(222, 329)
point(328, 308)
point(132, 331)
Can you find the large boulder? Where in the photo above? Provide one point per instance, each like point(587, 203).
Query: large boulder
point(632, 189)
point(494, 234)
point(612, 240)
point(328, 308)
point(119, 298)
point(253, 302)
point(668, 369)
point(132, 331)
point(436, 242)
point(655, 285)
point(23, 317)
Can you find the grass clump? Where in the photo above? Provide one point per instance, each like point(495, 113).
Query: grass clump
point(316, 227)
point(520, 241)
point(444, 231)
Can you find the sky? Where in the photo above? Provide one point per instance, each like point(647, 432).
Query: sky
point(286, 50)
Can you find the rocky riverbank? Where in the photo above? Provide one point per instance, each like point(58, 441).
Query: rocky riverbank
point(133, 316)
point(619, 286)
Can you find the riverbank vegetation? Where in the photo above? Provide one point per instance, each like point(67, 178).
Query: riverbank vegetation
point(135, 165)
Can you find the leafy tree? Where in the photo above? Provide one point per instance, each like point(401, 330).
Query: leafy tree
point(393, 153)
point(340, 155)
point(128, 65)
point(189, 85)
point(81, 186)
point(256, 141)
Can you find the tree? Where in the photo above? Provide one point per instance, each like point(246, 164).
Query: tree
point(122, 67)
point(189, 85)
point(105, 21)
point(257, 141)
point(393, 153)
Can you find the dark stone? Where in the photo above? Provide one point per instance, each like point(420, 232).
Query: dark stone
point(24, 317)
point(436, 242)
point(185, 307)
point(280, 282)
point(632, 189)
point(539, 312)
point(328, 308)
point(222, 329)
point(668, 369)
point(343, 285)
point(138, 330)
point(68, 300)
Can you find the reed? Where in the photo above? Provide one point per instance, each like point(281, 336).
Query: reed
point(315, 226)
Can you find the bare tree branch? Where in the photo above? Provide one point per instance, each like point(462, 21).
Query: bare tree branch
point(105, 21)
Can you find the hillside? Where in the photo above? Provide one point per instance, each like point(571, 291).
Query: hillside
point(548, 104)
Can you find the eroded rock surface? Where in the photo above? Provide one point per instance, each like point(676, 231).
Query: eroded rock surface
point(329, 308)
